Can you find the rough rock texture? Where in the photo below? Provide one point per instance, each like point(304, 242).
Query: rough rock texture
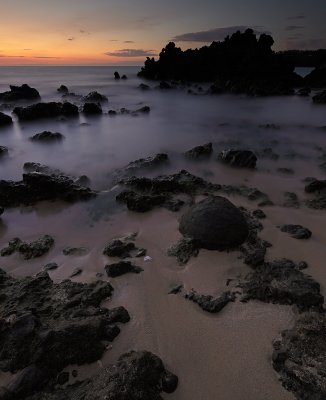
point(74, 251)
point(136, 376)
point(296, 231)
point(45, 110)
point(282, 282)
point(3, 151)
point(238, 158)
point(37, 187)
point(5, 119)
point(259, 214)
point(63, 89)
point(92, 109)
point(291, 200)
point(183, 250)
point(300, 357)
point(121, 268)
point(47, 136)
point(140, 203)
point(215, 224)
point(316, 78)
point(315, 186)
point(45, 326)
point(209, 303)
point(320, 98)
point(44, 169)
point(317, 204)
point(200, 152)
point(29, 250)
point(23, 92)
point(119, 248)
point(95, 97)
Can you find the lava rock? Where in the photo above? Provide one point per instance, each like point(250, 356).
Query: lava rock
point(5, 119)
point(121, 268)
point(209, 303)
point(320, 98)
point(215, 224)
point(305, 91)
point(143, 110)
point(63, 89)
point(317, 204)
point(291, 200)
point(296, 231)
point(95, 97)
point(238, 158)
point(259, 214)
point(124, 77)
point(92, 109)
point(119, 248)
point(47, 136)
point(315, 185)
point(50, 266)
point(3, 151)
point(140, 203)
point(116, 75)
point(45, 110)
point(199, 152)
point(76, 272)
point(37, 167)
point(74, 251)
point(183, 250)
point(23, 92)
point(29, 250)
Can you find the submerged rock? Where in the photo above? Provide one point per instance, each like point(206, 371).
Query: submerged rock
point(95, 97)
point(37, 167)
point(238, 158)
point(47, 136)
point(5, 119)
point(282, 282)
point(23, 92)
point(215, 224)
point(45, 110)
point(63, 89)
point(299, 357)
point(29, 250)
point(121, 268)
point(183, 250)
point(143, 86)
point(296, 231)
point(199, 152)
point(92, 109)
point(209, 303)
point(317, 204)
point(50, 266)
point(315, 185)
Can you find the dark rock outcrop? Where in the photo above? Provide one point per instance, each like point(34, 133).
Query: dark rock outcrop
point(95, 97)
point(47, 136)
point(320, 98)
point(200, 152)
point(23, 92)
point(46, 110)
point(63, 89)
point(143, 86)
point(141, 202)
point(116, 75)
point(215, 224)
point(315, 185)
point(183, 250)
point(282, 282)
point(44, 169)
point(37, 187)
point(299, 357)
point(121, 268)
point(119, 248)
point(209, 303)
point(5, 119)
point(3, 151)
point(92, 109)
point(45, 327)
point(316, 78)
point(296, 231)
point(238, 158)
point(29, 250)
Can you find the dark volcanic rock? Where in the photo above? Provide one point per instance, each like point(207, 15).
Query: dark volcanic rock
point(215, 224)
point(199, 152)
point(305, 91)
point(139, 202)
point(238, 158)
point(291, 200)
point(95, 97)
point(296, 231)
point(74, 251)
point(209, 303)
point(63, 89)
point(121, 268)
point(183, 250)
point(44, 169)
point(23, 92)
point(320, 98)
point(29, 250)
point(124, 77)
point(282, 282)
point(3, 151)
point(136, 376)
point(315, 186)
point(119, 248)
point(143, 86)
point(1, 210)
point(92, 109)
point(37, 187)
point(47, 136)
point(259, 214)
point(316, 78)
point(317, 204)
point(300, 357)
point(46, 110)
point(5, 119)
point(50, 266)
point(46, 326)
point(116, 75)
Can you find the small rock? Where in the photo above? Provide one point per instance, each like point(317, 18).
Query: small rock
point(119, 248)
point(116, 75)
point(199, 152)
point(5, 119)
point(92, 109)
point(296, 231)
point(63, 378)
point(63, 89)
point(238, 158)
point(121, 268)
point(75, 272)
point(50, 266)
point(183, 250)
point(74, 251)
point(47, 136)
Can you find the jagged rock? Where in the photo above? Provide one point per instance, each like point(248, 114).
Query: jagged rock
point(317, 204)
point(37, 187)
point(238, 158)
point(50, 266)
point(3, 151)
point(37, 167)
point(121, 268)
point(291, 200)
point(299, 357)
point(320, 98)
point(47, 136)
point(5, 119)
point(119, 248)
point(183, 250)
point(116, 75)
point(315, 185)
point(282, 282)
point(296, 231)
point(74, 251)
point(92, 109)
point(23, 92)
point(83, 180)
point(45, 110)
point(76, 272)
point(95, 97)
point(259, 214)
point(209, 303)
point(139, 202)
point(29, 250)
point(198, 152)
point(63, 89)
point(215, 224)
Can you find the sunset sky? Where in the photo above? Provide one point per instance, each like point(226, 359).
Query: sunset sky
point(101, 32)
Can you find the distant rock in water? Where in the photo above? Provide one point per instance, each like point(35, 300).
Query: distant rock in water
point(92, 109)
point(46, 110)
point(23, 92)
point(215, 224)
point(95, 97)
point(200, 152)
point(238, 158)
point(320, 98)
point(316, 78)
point(47, 136)
point(63, 89)
point(124, 77)
point(5, 119)
point(3, 151)
point(241, 63)
point(116, 75)
point(143, 86)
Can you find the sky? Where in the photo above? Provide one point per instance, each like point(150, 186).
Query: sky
point(124, 32)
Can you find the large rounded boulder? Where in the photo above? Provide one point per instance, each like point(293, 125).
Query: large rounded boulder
point(215, 224)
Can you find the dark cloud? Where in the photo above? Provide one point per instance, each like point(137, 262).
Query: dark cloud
point(128, 41)
point(132, 53)
point(296, 17)
point(294, 27)
point(71, 39)
point(215, 34)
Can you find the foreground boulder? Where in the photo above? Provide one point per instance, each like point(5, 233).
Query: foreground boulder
point(45, 110)
point(46, 326)
point(300, 357)
point(29, 250)
point(37, 187)
point(47, 136)
point(5, 119)
point(238, 158)
point(23, 92)
point(215, 224)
